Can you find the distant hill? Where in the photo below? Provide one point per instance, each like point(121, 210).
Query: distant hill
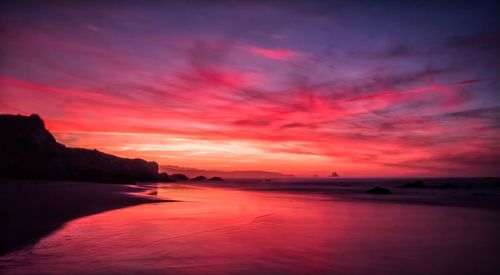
point(193, 172)
point(29, 151)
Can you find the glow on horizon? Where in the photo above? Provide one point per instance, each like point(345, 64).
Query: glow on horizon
point(285, 96)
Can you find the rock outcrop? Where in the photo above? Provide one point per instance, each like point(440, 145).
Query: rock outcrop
point(163, 177)
point(379, 191)
point(29, 151)
point(199, 178)
point(178, 177)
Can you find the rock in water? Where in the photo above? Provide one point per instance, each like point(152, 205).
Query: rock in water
point(199, 178)
point(379, 191)
point(179, 177)
point(163, 177)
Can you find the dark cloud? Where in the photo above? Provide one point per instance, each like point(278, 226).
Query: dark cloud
point(298, 125)
point(489, 115)
point(256, 122)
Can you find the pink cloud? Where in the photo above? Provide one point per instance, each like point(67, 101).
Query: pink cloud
point(278, 54)
point(222, 111)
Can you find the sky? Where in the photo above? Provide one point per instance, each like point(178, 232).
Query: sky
point(364, 88)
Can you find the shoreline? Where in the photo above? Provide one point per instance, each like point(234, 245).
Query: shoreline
point(216, 230)
point(31, 210)
point(481, 196)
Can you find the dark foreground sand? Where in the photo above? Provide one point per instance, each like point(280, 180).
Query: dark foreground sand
point(30, 210)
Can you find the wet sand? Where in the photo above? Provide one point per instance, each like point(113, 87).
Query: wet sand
point(234, 231)
point(249, 226)
point(30, 210)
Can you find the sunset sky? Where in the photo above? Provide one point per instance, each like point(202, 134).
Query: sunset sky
point(364, 89)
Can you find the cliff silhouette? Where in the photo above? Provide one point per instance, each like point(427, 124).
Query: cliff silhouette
point(29, 151)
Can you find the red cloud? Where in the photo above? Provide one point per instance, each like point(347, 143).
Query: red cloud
point(211, 115)
point(171, 124)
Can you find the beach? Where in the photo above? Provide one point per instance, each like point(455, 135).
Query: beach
point(30, 210)
point(250, 137)
point(269, 227)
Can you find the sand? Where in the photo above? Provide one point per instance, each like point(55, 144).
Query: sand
point(251, 226)
point(30, 210)
point(234, 231)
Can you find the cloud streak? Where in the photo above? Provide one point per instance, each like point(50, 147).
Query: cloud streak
point(278, 54)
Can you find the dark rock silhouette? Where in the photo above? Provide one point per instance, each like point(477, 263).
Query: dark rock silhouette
point(216, 179)
point(163, 177)
point(379, 191)
point(29, 151)
point(179, 177)
point(334, 174)
point(199, 178)
point(415, 184)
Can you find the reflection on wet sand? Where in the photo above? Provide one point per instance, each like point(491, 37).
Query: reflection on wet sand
point(219, 230)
